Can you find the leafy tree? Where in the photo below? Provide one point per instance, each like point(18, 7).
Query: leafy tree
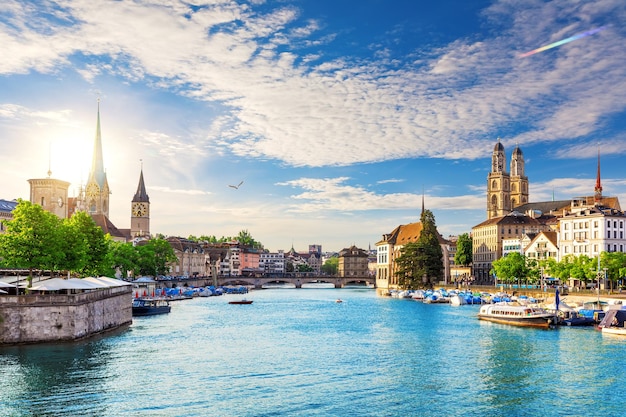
point(304, 268)
point(410, 266)
point(510, 268)
point(73, 247)
point(432, 253)
point(121, 256)
point(463, 254)
point(31, 239)
point(331, 266)
point(420, 263)
point(94, 237)
point(245, 238)
point(154, 256)
point(163, 255)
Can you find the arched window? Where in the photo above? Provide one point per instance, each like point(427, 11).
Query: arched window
point(494, 185)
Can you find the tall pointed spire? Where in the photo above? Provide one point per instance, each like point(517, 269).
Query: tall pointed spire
point(97, 165)
point(422, 202)
point(141, 195)
point(598, 189)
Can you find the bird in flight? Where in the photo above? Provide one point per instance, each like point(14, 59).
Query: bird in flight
point(236, 187)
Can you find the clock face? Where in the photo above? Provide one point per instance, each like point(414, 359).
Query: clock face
point(140, 210)
point(92, 190)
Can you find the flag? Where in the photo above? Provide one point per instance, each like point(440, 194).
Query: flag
point(556, 299)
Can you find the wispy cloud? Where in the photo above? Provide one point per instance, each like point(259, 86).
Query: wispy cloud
point(357, 111)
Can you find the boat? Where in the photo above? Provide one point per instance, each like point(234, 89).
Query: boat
point(614, 322)
point(244, 301)
point(150, 306)
point(516, 315)
point(339, 300)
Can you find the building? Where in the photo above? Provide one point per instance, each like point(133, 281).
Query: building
point(272, 263)
point(191, 259)
point(489, 236)
point(592, 230)
point(506, 190)
point(390, 247)
point(50, 194)
point(353, 262)
point(140, 211)
point(543, 246)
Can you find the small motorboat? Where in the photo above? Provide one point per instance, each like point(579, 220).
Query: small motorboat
point(244, 301)
point(150, 306)
point(339, 300)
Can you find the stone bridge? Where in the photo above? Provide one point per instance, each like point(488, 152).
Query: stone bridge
point(260, 282)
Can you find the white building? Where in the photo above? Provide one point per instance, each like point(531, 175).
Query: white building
point(591, 230)
point(272, 263)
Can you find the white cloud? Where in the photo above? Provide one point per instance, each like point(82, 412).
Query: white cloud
point(355, 111)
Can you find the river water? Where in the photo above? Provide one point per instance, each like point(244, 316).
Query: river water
point(298, 352)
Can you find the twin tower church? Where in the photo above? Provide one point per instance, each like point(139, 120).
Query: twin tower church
point(506, 190)
point(94, 198)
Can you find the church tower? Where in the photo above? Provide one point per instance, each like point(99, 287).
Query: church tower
point(50, 194)
point(498, 184)
point(598, 187)
point(519, 182)
point(97, 188)
point(140, 211)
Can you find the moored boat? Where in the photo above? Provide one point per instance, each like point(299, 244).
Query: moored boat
point(244, 301)
point(614, 322)
point(150, 306)
point(517, 315)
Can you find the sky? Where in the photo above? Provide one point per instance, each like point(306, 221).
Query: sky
point(338, 116)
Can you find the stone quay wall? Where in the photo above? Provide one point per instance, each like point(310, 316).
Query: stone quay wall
point(36, 318)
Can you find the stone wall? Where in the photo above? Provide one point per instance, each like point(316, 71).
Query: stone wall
point(36, 318)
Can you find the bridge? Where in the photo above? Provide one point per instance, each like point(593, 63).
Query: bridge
point(260, 282)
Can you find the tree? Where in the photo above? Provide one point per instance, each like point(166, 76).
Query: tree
point(31, 239)
point(331, 266)
point(154, 256)
point(410, 266)
point(304, 268)
point(95, 240)
point(122, 257)
point(245, 238)
point(510, 268)
point(464, 249)
point(420, 263)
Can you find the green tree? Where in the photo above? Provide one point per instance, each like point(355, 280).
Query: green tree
point(331, 266)
point(73, 247)
point(304, 268)
point(410, 266)
point(31, 240)
point(96, 241)
point(510, 268)
point(122, 257)
point(421, 263)
point(464, 249)
point(245, 238)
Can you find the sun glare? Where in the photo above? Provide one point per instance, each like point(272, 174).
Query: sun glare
point(70, 158)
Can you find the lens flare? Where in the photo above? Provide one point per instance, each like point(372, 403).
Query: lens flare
point(564, 41)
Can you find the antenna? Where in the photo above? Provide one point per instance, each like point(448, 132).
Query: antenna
point(49, 159)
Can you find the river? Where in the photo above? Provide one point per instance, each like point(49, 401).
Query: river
point(298, 352)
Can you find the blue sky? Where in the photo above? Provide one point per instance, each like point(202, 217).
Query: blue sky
point(337, 115)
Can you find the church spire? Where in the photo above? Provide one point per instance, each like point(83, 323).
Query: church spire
point(598, 188)
point(141, 195)
point(97, 165)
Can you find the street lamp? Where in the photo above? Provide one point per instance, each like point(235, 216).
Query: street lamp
point(605, 272)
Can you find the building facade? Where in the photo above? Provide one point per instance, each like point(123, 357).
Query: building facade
point(353, 262)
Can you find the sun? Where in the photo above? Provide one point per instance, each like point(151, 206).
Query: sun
point(70, 155)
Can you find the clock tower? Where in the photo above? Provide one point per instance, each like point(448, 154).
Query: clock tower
point(97, 189)
point(498, 184)
point(140, 211)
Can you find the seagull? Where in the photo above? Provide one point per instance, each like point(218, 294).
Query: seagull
point(236, 187)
